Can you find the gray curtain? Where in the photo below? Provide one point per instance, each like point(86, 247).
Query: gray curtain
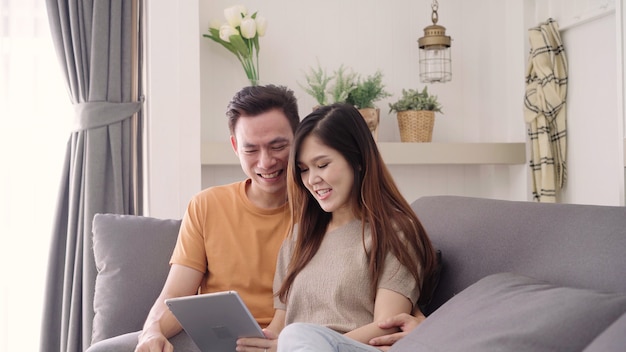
point(98, 44)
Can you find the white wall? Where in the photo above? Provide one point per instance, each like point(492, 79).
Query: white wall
point(482, 103)
point(595, 121)
point(172, 168)
point(594, 135)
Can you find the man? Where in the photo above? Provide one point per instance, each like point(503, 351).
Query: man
point(230, 235)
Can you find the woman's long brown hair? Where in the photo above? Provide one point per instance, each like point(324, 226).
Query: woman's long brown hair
point(379, 203)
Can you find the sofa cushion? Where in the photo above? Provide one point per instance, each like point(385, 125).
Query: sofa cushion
point(510, 312)
point(132, 257)
point(611, 339)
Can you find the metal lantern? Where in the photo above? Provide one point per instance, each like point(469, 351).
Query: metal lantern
point(435, 61)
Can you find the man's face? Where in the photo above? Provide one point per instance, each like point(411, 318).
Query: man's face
point(262, 144)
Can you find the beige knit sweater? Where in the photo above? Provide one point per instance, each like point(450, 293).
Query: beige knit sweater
point(333, 289)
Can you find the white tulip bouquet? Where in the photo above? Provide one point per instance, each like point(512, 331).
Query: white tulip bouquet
point(240, 35)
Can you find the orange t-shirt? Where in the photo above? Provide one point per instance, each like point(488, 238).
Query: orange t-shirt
point(234, 243)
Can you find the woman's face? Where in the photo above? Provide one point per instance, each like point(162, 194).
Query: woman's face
point(327, 175)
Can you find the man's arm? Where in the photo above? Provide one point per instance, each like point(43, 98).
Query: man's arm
point(404, 321)
point(161, 323)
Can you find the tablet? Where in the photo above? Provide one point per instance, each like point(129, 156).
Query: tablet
point(215, 321)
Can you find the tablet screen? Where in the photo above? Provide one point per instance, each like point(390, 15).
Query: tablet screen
point(215, 321)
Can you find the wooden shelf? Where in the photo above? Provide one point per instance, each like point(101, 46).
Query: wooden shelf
point(453, 153)
point(216, 153)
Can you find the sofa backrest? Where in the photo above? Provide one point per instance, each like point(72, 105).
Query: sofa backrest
point(132, 256)
point(567, 244)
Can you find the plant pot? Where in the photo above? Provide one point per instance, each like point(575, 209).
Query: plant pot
point(416, 126)
point(372, 118)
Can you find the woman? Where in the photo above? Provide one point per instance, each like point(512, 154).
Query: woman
point(357, 253)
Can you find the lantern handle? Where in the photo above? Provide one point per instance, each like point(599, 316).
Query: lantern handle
point(435, 15)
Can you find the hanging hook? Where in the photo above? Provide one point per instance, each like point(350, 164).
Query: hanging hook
point(435, 16)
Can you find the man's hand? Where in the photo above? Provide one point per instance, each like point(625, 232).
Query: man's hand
point(268, 344)
point(154, 342)
point(405, 322)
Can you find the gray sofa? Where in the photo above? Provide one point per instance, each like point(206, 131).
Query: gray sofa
point(516, 276)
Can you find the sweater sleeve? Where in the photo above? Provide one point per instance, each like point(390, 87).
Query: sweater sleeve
point(284, 256)
point(398, 278)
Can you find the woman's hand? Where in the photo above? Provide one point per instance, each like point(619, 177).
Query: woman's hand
point(254, 344)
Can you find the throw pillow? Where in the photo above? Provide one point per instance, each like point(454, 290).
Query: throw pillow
point(509, 312)
point(427, 296)
point(132, 256)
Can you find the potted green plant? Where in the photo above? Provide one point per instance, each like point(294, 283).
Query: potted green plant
point(317, 84)
point(345, 82)
point(327, 89)
point(416, 114)
point(346, 86)
point(366, 92)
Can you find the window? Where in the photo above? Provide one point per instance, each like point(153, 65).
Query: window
point(35, 115)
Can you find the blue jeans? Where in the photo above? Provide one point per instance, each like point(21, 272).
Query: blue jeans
point(305, 337)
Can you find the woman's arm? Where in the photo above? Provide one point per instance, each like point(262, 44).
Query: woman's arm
point(271, 332)
point(388, 304)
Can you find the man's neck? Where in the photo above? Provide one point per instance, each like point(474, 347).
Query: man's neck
point(266, 200)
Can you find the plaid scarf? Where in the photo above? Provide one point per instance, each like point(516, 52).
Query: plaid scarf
point(544, 110)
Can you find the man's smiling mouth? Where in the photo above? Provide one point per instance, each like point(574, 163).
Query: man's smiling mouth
point(272, 175)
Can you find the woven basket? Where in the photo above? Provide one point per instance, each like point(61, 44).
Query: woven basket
point(416, 126)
